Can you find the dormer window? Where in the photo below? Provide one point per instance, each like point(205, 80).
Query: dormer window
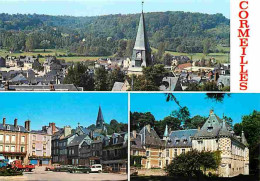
point(18, 128)
point(210, 129)
point(138, 55)
point(185, 141)
point(8, 127)
point(177, 141)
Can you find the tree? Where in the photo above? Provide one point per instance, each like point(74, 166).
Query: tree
point(229, 121)
point(139, 120)
point(45, 44)
point(195, 122)
point(192, 163)
point(206, 46)
point(115, 76)
point(167, 59)
point(101, 79)
point(183, 114)
point(155, 74)
point(172, 123)
point(30, 43)
point(161, 50)
point(79, 76)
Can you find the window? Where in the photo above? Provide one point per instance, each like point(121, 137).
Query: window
point(200, 142)
point(167, 162)
point(13, 138)
point(1, 147)
point(183, 151)
point(177, 141)
point(12, 148)
point(1, 137)
point(175, 152)
point(23, 139)
point(147, 153)
point(34, 137)
point(6, 148)
point(33, 145)
point(160, 154)
point(160, 163)
point(72, 151)
point(135, 152)
point(210, 129)
point(22, 149)
point(33, 153)
point(44, 147)
point(167, 153)
point(8, 127)
point(7, 138)
point(44, 153)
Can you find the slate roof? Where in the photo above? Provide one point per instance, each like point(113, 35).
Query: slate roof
point(181, 138)
point(141, 42)
point(19, 78)
point(136, 142)
point(224, 79)
point(171, 84)
point(57, 87)
point(78, 139)
point(12, 128)
point(118, 86)
point(150, 138)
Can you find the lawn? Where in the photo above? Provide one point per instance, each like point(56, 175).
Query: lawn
point(220, 57)
point(49, 52)
point(168, 178)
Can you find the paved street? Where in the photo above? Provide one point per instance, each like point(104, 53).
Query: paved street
point(40, 174)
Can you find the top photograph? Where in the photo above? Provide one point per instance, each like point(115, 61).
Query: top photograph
point(111, 45)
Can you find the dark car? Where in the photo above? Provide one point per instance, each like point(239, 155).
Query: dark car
point(63, 168)
point(80, 169)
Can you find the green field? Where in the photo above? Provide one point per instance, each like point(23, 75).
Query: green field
point(50, 52)
point(220, 57)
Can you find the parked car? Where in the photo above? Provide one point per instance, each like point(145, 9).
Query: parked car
point(96, 168)
point(80, 169)
point(17, 164)
point(63, 168)
point(52, 167)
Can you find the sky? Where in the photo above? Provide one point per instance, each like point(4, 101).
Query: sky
point(235, 106)
point(105, 7)
point(62, 108)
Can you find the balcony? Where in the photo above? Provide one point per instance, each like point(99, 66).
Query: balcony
point(12, 153)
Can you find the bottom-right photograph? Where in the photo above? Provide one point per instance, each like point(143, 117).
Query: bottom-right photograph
point(194, 136)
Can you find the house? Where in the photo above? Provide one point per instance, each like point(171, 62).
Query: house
point(171, 84)
point(39, 148)
point(115, 152)
point(14, 140)
point(74, 147)
point(121, 86)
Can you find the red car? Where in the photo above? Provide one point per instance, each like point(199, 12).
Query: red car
point(52, 167)
point(17, 164)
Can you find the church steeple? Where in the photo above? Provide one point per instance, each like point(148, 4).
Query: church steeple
point(166, 133)
point(100, 120)
point(142, 52)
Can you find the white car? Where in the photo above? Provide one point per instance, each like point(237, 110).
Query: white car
point(96, 168)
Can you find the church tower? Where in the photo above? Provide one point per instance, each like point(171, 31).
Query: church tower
point(142, 52)
point(100, 120)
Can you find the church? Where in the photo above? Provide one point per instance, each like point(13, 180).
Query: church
point(214, 135)
point(142, 52)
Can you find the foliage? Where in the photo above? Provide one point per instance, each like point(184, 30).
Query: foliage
point(192, 163)
point(251, 127)
point(115, 76)
point(101, 79)
point(105, 35)
point(183, 114)
point(173, 124)
point(194, 122)
point(139, 120)
point(4, 171)
point(79, 76)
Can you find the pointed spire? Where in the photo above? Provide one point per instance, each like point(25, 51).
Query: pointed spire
point(166, 133)
point(142, 52)
point(224, 131)
point(100, 120)
point(243, 138)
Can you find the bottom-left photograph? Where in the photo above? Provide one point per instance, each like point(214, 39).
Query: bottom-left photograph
point(54, 136)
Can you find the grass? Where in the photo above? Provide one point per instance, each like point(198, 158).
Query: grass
point(169, 178)
point(219, 57)
point(49, 52)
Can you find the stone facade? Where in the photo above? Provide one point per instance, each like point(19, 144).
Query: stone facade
point(215, 135)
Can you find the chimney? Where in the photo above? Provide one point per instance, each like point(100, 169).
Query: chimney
point(91, 134)
point(4, 121)
point(67, 130)
point(148, 126)
point(134, 133)
point(7, 86)
point(27, 125)
point(15, 122)
point(53, 128)
point(52, 87)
